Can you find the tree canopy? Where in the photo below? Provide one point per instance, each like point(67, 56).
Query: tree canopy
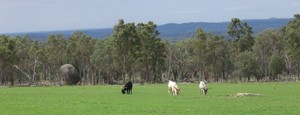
point(135, 52)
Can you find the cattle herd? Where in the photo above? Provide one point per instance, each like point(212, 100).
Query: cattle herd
point(173, 88)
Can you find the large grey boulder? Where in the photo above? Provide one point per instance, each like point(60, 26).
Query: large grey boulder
point(69, 75)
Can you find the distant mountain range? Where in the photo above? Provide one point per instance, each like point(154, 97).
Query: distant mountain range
point(172, 31)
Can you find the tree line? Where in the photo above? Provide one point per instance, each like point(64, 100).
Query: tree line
point(135, 52)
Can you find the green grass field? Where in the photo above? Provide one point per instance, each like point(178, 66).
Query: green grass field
point(277, 98)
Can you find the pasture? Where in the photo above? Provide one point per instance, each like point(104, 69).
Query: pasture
point(277, 98)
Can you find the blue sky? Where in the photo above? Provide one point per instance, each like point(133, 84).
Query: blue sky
point(45, 15)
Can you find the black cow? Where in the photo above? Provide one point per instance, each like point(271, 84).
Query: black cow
point(127, 88)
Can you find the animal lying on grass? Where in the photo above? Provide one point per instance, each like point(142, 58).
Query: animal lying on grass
point(173, 88)
point(127, 88)
point(203, 88)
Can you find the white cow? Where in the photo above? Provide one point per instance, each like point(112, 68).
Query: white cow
point(203, 87)
point(173, 88)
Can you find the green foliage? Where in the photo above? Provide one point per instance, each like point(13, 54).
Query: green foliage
point(7, 49)
point(136, 52)
point(151, 53)
point(292, 45)
point(56, 44)
point(277, 65)
point(292, 34)
point(139, 46)
point(241, 33)
point(179, 59)
point(267, 44)
point(235, 29)
point(104, 61)
point(125, 42)
point(7, 59)
point(247, 65)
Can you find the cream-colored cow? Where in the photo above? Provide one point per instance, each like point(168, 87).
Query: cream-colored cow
point(173, 88)
point(203, 87)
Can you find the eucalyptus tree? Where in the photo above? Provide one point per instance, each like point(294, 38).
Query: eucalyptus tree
point(243, 41)
point(125, 42)
point(241, 33)
point(179, 57)
point(218, 57)
point(7, 59)
point(103, 60)
point(292, 49)
point(235, 29)
point(150, 51)
point(54, 55)
point(79, 49)
point(199, 52)
point(212, 55)
point(138, 49)
point(158, 59)
point(247, 66)
point(277, 65)
point(28, 61)
point(267, 44)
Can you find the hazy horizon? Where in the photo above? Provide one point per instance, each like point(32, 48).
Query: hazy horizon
point(80, 29)
point(53, 15)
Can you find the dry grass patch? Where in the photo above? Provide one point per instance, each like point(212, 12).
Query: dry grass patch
point(246, 94)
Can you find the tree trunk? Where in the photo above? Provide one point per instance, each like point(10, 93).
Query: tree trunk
point(124, 69)
point(298, 69)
